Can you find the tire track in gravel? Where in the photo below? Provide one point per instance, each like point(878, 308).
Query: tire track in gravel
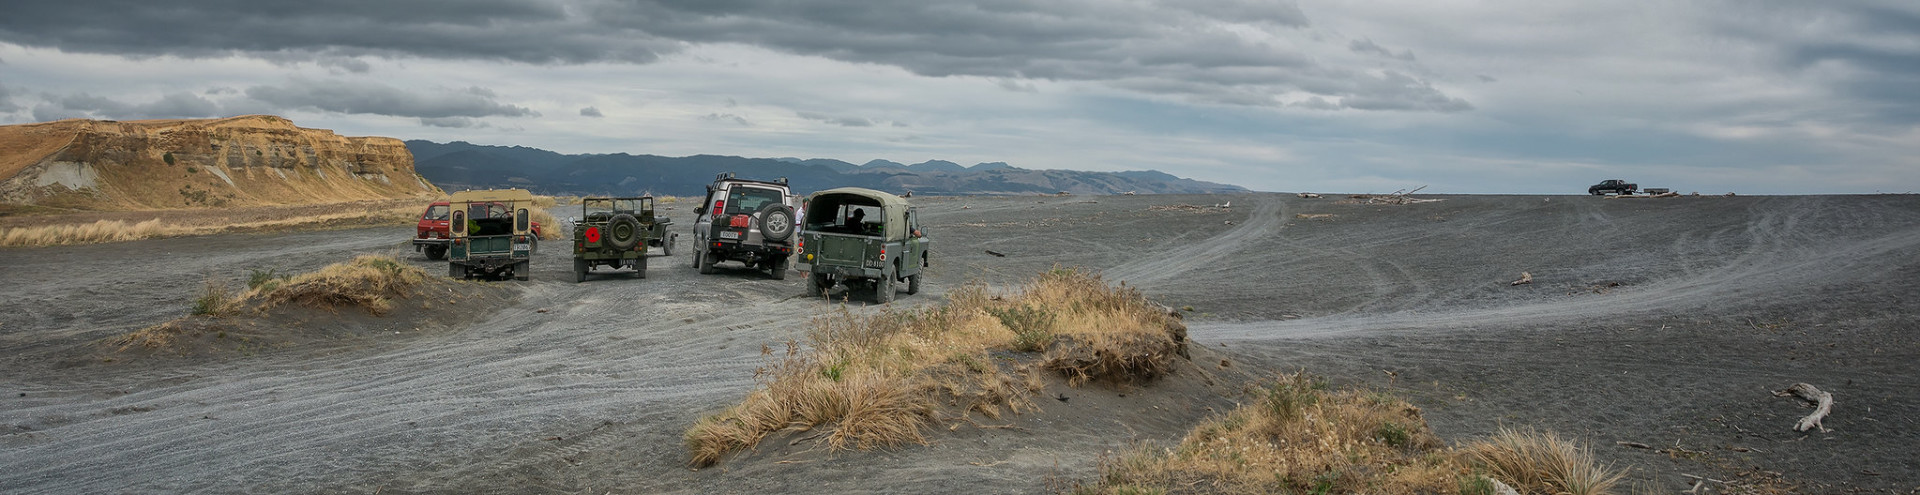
point(1780, 250)
point(1263, 223)
point(517, 373)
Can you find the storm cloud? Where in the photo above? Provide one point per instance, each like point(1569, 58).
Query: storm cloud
point(1225, 47)
point(355, 97)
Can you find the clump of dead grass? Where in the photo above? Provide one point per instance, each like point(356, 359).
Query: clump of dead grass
point(103, 231)
point(1537, 461)
point(216, 299)
point(89, 233)
point(1302, 437)
point(368, 281)
point(549, 225)
point(880, 379)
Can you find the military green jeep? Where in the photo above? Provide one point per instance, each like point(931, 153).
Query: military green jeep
point(490, 234)
point(852, 235)
point(615, 232)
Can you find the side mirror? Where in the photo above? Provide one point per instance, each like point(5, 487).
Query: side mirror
point(702, 210)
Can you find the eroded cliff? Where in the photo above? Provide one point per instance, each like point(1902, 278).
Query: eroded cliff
point(239, 161)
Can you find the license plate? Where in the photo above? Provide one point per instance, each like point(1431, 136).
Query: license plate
point(522, 247)
point(729, 235)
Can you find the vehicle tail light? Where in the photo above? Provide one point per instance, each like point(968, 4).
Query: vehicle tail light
point(883, 253)
point(719, 205)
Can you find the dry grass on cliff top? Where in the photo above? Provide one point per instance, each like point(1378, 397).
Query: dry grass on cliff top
point(1300, 437)
point(884, 378)
point(68, 229)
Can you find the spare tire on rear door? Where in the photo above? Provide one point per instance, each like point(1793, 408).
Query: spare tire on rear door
point(623, 231)
point(776, 222)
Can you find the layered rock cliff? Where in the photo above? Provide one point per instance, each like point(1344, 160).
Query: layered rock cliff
point(238, 161)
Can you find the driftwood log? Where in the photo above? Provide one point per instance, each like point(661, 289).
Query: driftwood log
point(1823, 404)
point(1525, 278)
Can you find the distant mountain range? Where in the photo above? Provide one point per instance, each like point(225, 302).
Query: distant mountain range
point(460, 165)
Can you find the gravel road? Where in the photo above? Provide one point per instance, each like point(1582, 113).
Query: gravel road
point(1662, 322)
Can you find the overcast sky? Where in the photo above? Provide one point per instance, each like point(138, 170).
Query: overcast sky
point(1784, 97)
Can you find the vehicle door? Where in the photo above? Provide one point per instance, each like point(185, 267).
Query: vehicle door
point(916, 245)
point(703, 216)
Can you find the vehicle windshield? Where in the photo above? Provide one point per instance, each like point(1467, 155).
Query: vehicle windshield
point(747, 200)
point(436, 212)
point(596, 209)
point(488, 210)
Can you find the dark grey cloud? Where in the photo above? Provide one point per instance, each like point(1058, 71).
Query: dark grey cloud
point(535, 31)
point(726, 117)
point(837, 120)
point(1367, 46)
point(6, 100)
point(453, 122)
point(1097, 41)
point(355, 97)
point(591, 112)
point(170, 106)
point(1872, 43)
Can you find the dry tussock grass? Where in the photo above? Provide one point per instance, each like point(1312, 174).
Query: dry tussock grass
point(1301, 437)
point(102, 231)
point(882, 378)
point(549, 225)
point(369, 281)
point(91, 233)
point(1536, 461)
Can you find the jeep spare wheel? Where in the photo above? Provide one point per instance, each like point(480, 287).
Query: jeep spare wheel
point(776, 222)
point(623, 231)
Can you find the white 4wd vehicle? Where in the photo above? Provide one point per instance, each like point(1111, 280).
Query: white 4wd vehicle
point(750, 221)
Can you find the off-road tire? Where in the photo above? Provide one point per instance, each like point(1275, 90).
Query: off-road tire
point(704, 260)
point(579, 270)
point(640, 267)
point(776, 222)
point(523, 271)
point(534, 241)
point(817, 284)
point(436, 253)
point(913, 284)
point(779, 271)
point(883, 288)
point(623, 223)
point(666, 247)
point(696, 257)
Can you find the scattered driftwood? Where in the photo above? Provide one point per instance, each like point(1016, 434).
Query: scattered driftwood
point(1525, 278)
point(996, 254)
point(1823, 404)
point(1636, 445)
point(1400, 197)
point(1187, 208)
point(1309, 195)
point(1312, 216)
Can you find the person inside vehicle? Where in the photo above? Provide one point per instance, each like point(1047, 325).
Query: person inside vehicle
point(854, 225)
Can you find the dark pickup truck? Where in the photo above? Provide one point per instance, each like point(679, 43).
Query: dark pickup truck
point(1615, 186)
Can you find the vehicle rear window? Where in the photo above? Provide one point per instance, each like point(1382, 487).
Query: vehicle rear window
point(436, 212)
point(750, 199)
